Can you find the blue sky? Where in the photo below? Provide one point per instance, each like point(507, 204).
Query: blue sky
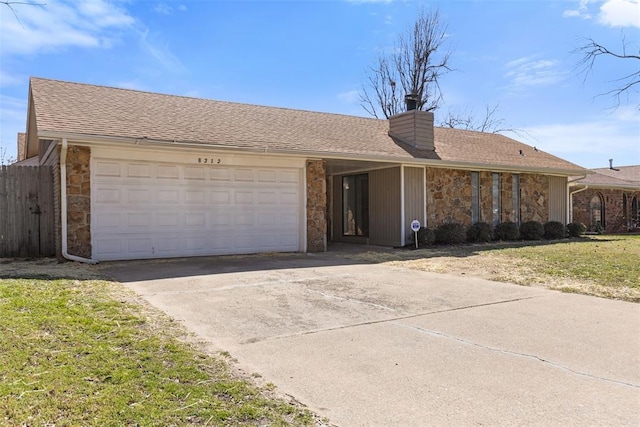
point(313, 55)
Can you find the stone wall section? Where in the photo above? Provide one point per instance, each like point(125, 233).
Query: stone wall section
point(534, 198)
point(506, 195)
point(448, 197)
point(79, 201)
point(316, 206)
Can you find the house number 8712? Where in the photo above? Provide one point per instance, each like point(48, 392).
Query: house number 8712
point(208, 160)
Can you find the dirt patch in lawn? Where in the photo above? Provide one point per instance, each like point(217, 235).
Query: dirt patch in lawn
point(477, 261)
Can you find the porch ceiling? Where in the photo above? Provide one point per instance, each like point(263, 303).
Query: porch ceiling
point(340, 166)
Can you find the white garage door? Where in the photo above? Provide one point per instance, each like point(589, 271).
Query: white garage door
point(157, 210)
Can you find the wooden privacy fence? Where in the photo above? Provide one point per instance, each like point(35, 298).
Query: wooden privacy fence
point(27, 226)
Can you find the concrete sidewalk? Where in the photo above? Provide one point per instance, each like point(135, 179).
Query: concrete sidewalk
point(373, 345)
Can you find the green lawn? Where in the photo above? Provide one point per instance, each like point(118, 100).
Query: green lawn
point(80, 352)
point(611, 261)
point(606, 266)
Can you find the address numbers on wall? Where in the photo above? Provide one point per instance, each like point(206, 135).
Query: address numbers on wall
point(209, 160)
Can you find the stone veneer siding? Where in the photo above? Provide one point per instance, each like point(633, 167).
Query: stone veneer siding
point(316, 206)
point(615, 219)
point(448, 197)
point(506, 194)
point(79, 201)
point(534, 198)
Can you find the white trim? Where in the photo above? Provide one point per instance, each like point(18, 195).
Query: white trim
point(402, 208)
point(303, 243)
point(424, 181)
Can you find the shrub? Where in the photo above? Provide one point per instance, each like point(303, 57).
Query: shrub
point(480, 232)
point(507, 231)
point(426, 236)
point(598, 228)
point(554, 230)
point(576, 229)
point(531, 230)
point(451, 234)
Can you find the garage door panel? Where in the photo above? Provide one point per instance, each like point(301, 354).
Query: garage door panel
point(139, 170)
point(106, 168)
point(146, 210)
point(108, 195)
point(168, 196)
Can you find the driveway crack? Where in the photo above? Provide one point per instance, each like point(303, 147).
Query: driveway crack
point(515, 353)
point(387, 320)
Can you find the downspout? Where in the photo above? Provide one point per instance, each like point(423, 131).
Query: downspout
point(63, 207)
point(570, 210)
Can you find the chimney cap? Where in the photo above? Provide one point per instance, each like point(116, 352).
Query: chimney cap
point(411, 100)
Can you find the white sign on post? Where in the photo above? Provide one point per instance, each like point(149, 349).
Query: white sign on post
point(415, 226)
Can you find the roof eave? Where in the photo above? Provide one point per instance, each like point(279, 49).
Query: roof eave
point(607, 186)
point(102, 139)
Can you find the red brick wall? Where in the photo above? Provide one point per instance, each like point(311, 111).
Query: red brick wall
point(616, 219)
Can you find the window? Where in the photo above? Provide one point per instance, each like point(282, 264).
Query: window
point(635, 213)
point(515, 195)
point(475, 197)
point(496, 202)
point(596, 212)
point(355, 205)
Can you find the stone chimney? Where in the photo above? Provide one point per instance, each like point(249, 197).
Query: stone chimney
point(414, 128)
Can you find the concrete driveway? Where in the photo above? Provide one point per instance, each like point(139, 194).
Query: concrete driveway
point(374, 345)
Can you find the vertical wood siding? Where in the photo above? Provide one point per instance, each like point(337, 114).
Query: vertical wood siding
point(413, 199)
point(27, 210)
point(558, 199)
point(384, 207)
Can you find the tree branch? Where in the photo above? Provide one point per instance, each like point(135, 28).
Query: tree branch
point(592, 51)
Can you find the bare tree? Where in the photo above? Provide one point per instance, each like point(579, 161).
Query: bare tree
point(592, 51)
point(414, 67)
point(489, 123)
point(10, 5)
point(4, 156)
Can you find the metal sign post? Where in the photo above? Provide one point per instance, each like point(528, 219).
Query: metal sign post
point(415, 226)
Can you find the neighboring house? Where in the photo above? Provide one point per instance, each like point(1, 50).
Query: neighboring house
point(22, 147)
point(144, 175)
point(608, 199)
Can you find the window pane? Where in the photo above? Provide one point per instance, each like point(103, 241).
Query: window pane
point(355, 205)
point(348, 206)
point(475, 198)
point(496, 198)
point(516, 198)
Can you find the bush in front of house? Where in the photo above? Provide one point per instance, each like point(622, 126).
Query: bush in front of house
point(506, 231)
point(554, 230)
point(480, 232)
point(426, 236)
point(450, 234)
point(531, 230)
point(576, 229)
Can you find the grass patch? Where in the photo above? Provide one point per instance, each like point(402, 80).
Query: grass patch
point(605, 266)
point(75, 352)
point(602, 260)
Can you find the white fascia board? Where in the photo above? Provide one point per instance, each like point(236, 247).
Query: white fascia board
point(306, 154)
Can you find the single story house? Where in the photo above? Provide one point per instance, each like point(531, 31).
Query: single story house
point(608, 200)
point(146, 175)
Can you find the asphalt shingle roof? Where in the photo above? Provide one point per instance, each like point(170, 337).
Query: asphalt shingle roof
point(77, 108)
point(620, 176)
